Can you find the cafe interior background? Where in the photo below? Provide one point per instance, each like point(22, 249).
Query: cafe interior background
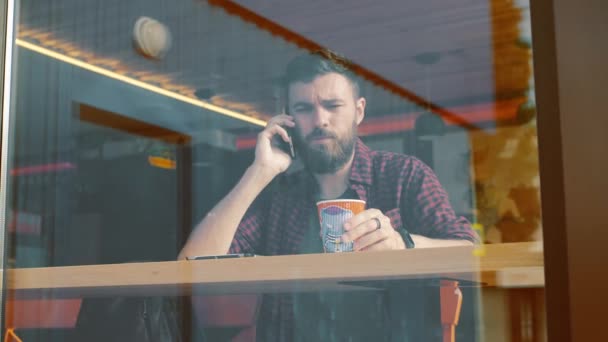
point(133, 118)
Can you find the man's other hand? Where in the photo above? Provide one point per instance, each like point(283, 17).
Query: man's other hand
point(371, 230)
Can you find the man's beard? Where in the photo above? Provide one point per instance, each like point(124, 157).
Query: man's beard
point(325, 158)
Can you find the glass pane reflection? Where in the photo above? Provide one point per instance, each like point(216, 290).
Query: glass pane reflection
point(133, 120)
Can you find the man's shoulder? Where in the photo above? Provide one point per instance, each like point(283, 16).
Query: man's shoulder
point(288, 183)
point(374, 165)
point(282, 189)
point(394, 160)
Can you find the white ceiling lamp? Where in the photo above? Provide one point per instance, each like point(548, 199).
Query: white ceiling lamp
point(151, 37)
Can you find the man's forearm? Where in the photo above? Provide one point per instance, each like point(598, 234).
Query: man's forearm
point(426, 242)
point(214, 234)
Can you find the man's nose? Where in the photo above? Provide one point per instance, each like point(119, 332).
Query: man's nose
point(321, 117)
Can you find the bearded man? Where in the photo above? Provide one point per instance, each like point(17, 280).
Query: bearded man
point(271, 213)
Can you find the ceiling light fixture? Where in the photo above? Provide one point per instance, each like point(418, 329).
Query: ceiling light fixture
point(138, 83)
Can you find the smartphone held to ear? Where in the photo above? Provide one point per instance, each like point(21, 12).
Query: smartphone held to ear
point(287, 147)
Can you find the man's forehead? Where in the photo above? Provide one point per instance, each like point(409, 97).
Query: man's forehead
point(331, 86)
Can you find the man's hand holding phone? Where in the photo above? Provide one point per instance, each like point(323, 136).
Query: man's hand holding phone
point(214, 235)
point(269, 155)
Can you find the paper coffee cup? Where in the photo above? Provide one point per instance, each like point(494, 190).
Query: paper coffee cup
point(332, 215)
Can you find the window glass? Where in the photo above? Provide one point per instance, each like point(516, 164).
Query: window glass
point(143, 132)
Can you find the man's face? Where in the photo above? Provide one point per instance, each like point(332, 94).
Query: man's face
point(327, 114)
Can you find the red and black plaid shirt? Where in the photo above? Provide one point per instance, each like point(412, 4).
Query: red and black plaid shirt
point(402, 187)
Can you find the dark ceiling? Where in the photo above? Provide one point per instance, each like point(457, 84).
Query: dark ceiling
point(448, 52)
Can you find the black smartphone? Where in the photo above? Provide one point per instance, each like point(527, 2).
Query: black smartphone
point(221, 256)
point(287, 147)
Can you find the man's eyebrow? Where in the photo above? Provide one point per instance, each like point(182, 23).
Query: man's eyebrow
point(325, 102)
point(301, 103)
point(332, 101)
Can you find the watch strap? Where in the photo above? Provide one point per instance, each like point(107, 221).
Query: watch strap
point(407, 238)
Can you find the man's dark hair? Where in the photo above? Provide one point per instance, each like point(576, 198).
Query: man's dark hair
point(306, 67)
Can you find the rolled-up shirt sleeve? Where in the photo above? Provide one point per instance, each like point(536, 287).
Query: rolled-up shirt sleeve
point(428, 209)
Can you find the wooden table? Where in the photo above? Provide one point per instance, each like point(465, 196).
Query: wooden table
point(501, 265)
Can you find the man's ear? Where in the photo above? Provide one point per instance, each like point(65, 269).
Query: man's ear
point(360, 109)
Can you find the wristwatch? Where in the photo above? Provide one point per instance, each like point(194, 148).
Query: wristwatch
point(407, 238)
